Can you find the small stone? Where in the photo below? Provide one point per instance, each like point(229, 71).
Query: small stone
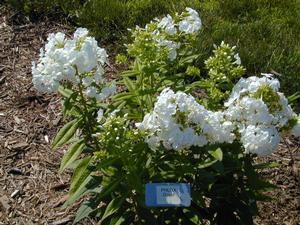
point(46, 138)
point(15, 193)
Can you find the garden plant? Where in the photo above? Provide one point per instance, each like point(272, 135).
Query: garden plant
point(163, 121)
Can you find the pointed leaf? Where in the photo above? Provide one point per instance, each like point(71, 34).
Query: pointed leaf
point(66, 133)
point(117, 220)
point(72, 154)
point(65, 92)
point(130, 73)
point(80, 174)
point(81, 182)
point(267, 165)
point(217, 154)
point(85, 210)
point(129, 84)
point(112, 207)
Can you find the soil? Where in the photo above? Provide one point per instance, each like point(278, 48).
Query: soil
point(31, 189)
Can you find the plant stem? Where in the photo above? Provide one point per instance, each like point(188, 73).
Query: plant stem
point(87, 118)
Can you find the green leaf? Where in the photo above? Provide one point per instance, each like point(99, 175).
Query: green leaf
point(72, 154)
point(108, 189)
point(130, 73)
point(117, 220)
point(112, 207)
point(65, 92)
point(267, 165)
point(80, 174)
point(70, 105)
point(83, 189)
point(292, 98)
point(129, 84)
point(85, 210)
point(82, 182)
point(188, 59)
point(206, 164)
point(123, 96)
point(104, 163)
point(217, 154)
point(66, 133)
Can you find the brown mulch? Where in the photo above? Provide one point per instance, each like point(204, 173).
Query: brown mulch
point(31, 189)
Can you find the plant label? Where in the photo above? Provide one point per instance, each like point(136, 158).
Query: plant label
point(168, 195)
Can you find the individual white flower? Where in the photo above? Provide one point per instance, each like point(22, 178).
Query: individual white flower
point(85, 58)
point(282, 115)
point(91, 92)
point(153, 141)
point(70, 74)
point(106, 92)
point(192, 23)
point(87, 81)
point(254, 111)
point(167, 24)
point(217, 129)
point(99, 115)
point(102, 56)
point(165, 104)
point(172, 47)
point(98, 74)
point(55, 41)
point(238, 59)
point(80, 33)
point(296, 129)
point(260, 140)
point(149, 122)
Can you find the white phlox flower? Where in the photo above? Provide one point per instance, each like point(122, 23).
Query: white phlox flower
point(238, 59)
point(251, 85)
point(69, 59)
point(167, 24)
point(179, 122)
point(260, 140)
point(171, 46)
point(192, 23)
point(296, 129)
point(258, 126)
point(99, 115)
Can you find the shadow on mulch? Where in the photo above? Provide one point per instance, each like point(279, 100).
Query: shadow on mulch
point(31, 190)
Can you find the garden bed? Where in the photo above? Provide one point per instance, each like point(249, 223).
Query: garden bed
point(31, 190)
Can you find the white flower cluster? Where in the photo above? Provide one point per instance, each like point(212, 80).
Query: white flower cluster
point(190, 23)
point(72, 60)
point(251, 85)
point(179, 122)
point(258, 125)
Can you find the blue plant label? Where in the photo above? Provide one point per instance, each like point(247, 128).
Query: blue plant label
point(168, 195)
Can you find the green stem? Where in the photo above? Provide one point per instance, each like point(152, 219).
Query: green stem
point(87, 118)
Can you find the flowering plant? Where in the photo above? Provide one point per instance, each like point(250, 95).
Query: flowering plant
point(169, 124)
